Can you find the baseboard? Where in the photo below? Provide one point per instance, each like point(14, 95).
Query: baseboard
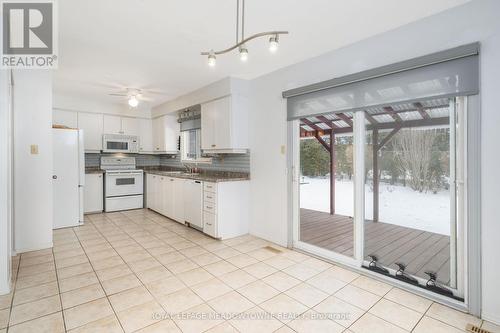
point(35, 248)
point(491, 317)
point(5, 287)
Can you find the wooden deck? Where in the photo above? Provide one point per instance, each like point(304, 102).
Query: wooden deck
point(420, 250)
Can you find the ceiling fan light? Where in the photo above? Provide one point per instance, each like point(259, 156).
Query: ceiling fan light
point(273, 44)
point(133, 101)
point(212, 59)
point(243, 53)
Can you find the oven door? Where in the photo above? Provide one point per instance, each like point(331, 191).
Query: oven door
point(122, 183)
point(116, 146)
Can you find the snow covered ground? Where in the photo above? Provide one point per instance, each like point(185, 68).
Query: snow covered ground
point(398, 205)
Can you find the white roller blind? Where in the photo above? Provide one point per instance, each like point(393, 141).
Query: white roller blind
point(445, 74)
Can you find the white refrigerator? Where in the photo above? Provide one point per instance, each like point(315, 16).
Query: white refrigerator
point(68, 177)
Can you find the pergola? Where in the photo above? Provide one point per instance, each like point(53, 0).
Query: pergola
point(428, 113)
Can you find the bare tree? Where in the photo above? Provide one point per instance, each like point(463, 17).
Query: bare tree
point(413, 150)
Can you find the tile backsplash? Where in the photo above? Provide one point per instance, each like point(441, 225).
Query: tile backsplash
point(93, 159)
point(235, 163)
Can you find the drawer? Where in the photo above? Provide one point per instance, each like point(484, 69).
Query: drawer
point(210, 187)
point(210, 224)
point(210, 197)
point(210, 207)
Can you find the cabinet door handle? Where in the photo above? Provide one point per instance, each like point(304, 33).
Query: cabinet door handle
point(209, 197)
point(209, 223)
point(214, 145)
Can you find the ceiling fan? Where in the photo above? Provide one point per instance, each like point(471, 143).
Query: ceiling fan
point(134, 95)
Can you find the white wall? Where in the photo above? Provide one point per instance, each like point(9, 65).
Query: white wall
point(213, 91)
point(79, 103)
point(475, 21)
point(5, 183)
point(32, 173)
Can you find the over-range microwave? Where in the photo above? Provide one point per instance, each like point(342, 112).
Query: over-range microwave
point(119, 143)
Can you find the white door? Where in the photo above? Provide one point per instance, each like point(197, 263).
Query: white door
point(193, 202)
point(112, 124)
point(172, 132)
point(222, 113)
point(131, 126)
point(158, 135)
point(93, 193)
point(178, 198)
point(92, 126)
point(169, 197)
point(146, 135)
point(149, 191)
point(66, 178)
point(208, 125)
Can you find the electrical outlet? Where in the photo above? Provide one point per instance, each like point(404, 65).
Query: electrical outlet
point(34, 149)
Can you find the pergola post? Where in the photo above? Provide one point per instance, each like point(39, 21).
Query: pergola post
point(333, 171)
point(375, 177)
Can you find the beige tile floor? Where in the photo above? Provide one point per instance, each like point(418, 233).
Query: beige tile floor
point(137, 271)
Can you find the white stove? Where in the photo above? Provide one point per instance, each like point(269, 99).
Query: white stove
point(123, 184)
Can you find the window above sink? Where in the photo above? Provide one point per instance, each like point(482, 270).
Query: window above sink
point(191, 147)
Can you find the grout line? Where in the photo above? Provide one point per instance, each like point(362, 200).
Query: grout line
point(13, 295)
point(59, 290)
point(100, 283)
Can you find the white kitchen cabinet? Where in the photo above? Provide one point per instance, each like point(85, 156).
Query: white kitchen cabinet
point(168, 200)
point(112, 124)
point(131, 126)
point(166, 131)
point(65, 118)
point(151, 183)
point(93, 193)
point(218, 209)
point(165, 196)
point(178, 199)
point(92, 126)
point(225, 209)
point(146, 135)
point(193, 202)
point(224, 125)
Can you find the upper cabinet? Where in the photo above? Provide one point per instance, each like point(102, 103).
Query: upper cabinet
point(92, 126)
point(158, 136)
point(146, 135)
point(166, 131)
point(224, 125)
point(112, 124)
point(131, 126)
point(121, 125)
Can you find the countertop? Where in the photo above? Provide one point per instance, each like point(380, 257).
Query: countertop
point(90, 170)
point(207, 176)
point(204, 175)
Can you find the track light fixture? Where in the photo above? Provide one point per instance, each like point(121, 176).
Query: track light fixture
point(241, 40)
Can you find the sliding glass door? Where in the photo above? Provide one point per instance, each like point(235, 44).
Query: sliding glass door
point(381, 188)
point(411, 213)
point(326, 184)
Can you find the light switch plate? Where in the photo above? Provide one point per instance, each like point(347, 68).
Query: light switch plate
point(283, 150)
point(34, 149)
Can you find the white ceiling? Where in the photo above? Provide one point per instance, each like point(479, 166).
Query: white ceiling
point(155, 44)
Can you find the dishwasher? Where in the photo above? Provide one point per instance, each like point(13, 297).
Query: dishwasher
point(193, 203)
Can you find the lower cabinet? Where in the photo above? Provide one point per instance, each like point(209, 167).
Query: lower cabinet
point(93, 193)
point(165, 195)
point(220, 210)
point(226, 209)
